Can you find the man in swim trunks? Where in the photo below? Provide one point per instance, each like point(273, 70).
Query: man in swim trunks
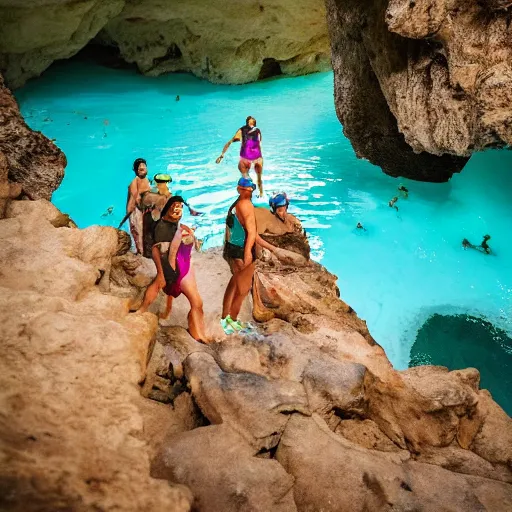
point(139, 185)
point(250, 152)
point(240, 253)
point(172, 256)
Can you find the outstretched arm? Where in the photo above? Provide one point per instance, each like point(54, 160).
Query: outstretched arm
point(237, 136)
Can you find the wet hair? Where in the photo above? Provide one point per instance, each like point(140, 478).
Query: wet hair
point(170, 202)
point(487, 237)
point(137, 163)
point(248, 119)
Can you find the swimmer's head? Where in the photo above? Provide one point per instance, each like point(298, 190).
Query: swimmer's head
point(279, 204)
point(465, 243)
point(487, 237)
point(140, 167)
point(173, 209)
point(359, 225)
point(245, 187)
point(250, 121)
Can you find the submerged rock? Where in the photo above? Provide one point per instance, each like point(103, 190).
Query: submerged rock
point(421, 85)
point(223, 42)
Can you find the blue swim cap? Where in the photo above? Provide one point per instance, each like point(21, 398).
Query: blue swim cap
point(278, 200)
point(246, 183)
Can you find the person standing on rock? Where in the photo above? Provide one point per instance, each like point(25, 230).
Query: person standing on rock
point(240, 253)
point(250, 152)
point(139, 185)
point(172, 256)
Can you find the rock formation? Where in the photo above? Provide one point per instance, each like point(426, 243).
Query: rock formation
point(224, 42)
point(305, 414)
point(420, 85)
point(33, 161)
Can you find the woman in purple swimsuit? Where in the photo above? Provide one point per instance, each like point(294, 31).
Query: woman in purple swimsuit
point(250, 152)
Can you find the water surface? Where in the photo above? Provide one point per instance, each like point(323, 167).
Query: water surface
point(407, 266)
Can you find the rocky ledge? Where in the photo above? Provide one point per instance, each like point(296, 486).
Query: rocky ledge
point(224, 42)
point(107, 410)
point(421, 85)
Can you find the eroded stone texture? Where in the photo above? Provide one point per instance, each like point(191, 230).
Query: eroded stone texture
point(223, 42)
point(333, 474)
point(70, 422)
point(421, 85)
point(222, 471)
point(33, 161)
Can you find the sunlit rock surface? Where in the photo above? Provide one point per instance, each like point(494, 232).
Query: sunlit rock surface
point(224, 42)
point(421, 85)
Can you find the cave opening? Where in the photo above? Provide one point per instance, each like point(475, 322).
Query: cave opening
point(105, 55)
point(462, 341)
point(269, 69)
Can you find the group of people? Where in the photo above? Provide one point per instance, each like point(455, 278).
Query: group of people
point(155, 215)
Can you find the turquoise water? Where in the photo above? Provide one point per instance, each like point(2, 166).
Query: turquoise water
point(406, 267)
point(491, 347)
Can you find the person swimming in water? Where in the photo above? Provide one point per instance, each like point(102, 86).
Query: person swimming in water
point(403, 191)
point(483, 247)
point(250, 152)
point(108, 211)
point(391, 203)
point(360, 226)
point(172, 252)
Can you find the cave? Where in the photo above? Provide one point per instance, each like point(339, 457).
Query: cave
point(269, 69)
point(461, 341)
point(104, 55)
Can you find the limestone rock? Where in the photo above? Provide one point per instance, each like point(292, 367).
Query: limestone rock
point(33, 161)
point(332, 474)
point(251, 404)
point(35, 33)
point(421, 85)
point(219, 41)
point(220, 468)
point(71, 427)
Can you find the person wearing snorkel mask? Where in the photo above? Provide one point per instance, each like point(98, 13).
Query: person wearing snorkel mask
point(250, 152)
point(277, 221)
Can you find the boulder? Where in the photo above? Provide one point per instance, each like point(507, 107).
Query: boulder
point(220, 468)
point(333, 474)
point(251, 404)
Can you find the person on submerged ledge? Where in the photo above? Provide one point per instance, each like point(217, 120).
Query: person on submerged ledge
point(250, 152)
point(240, 253)
point(172, 253)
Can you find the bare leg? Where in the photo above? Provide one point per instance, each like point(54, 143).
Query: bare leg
point(168, 307)
point(229, 294)
point(150, 296)
point(196, 314)
point(243, 285)
point(244, 166)
point(258, 167)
